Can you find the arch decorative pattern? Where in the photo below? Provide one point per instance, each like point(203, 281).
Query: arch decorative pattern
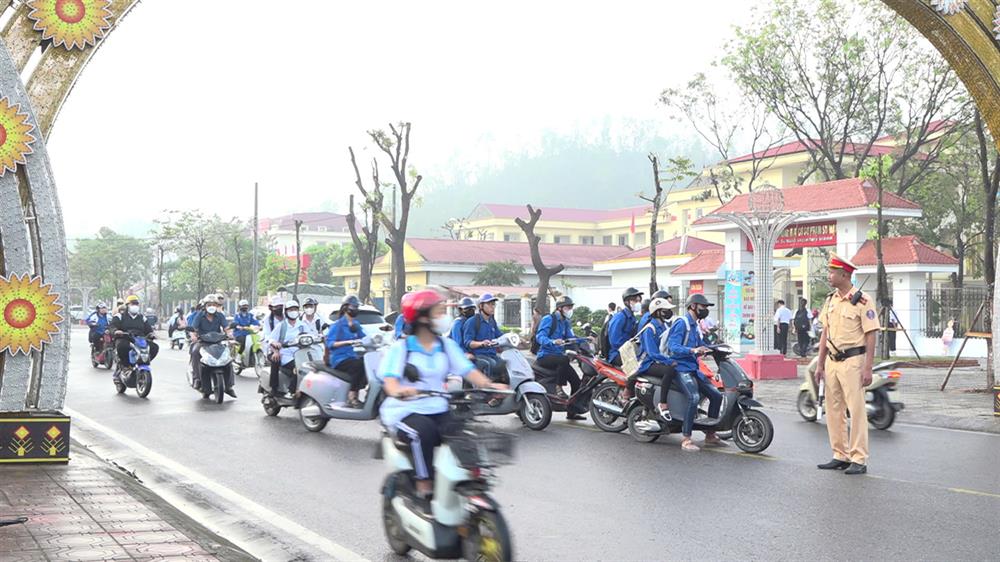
point(32, 240)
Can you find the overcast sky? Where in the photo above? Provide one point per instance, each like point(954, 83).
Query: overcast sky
point(191, 101)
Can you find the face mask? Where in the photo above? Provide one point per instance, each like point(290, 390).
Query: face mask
point(668, 315)
point(352, 312)
point(468, 312)
point(309, 310)
point(440, 325)
point(568, 312)
point(292, 314)
point(133, 309)
point(211, 309)
point(636, 307)
point(702, 313)
point(244, 310)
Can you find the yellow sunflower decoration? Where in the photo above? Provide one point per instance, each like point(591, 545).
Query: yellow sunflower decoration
point(15, 136)
point(30, 313)
point(71, 23)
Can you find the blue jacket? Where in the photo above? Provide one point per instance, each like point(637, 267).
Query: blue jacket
point(649, 342)
point(644, 320)
point(342, 331)
point(563, 331)
point(98, 323)
point(487, 330)
point(400, 326)
point(456, 331)
point(191, 316)
point(242, 320)
point(622, 328)
point(680, 343)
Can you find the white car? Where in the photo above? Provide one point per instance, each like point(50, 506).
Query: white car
point(76, 313)
point(370, 317)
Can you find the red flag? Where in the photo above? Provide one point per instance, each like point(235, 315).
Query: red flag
point(632, 228)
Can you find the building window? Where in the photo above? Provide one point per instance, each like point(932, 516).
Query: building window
point(698, 213)
point(559, 239)
point(588, 240)
point(508, 237)
point(608, 240)
point(491, 236)
point(659, 237)
point(321, 229)
point(623, 239)
point(640, 238)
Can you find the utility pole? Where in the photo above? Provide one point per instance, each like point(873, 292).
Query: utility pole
point(392, 268)
point(159, 280)
point(253, 261)
point(298, 257)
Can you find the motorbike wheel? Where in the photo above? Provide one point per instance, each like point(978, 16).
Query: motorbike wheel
point(271, 406)
point(636, 415)
point(489, 538)
point(535, 411)
point(884, 415)
point(312, 424)
point(93, 361)
point(611, 393)
point(220, 387)
point(394, 532)
point(753, 431)
point(806, 406)
point(143, 383)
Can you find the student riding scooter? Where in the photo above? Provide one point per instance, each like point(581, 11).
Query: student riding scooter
point(881, 409)
point(216, 365)
point(252, 354)
point(308, 348)
point(323, 390)
point(463, 519)
point(103, 352)
point(752, 429)
point(528, 401)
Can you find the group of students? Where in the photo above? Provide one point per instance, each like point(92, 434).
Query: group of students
point(128, 320)
point(669, 349)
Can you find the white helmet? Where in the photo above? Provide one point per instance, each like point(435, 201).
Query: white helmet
point(275, 301)
point(660, 304)
point(243, 303)
point(291, 304)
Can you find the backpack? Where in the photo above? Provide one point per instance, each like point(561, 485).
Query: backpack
point(535, 346)
point(630, 355)
point(605, 344)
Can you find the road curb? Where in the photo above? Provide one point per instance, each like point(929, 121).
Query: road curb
point(910, 417)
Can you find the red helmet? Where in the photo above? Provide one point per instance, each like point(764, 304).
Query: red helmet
point(419, 302)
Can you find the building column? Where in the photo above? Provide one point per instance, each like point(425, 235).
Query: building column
point(500, 311)
point(906, 290)
point(525, 314)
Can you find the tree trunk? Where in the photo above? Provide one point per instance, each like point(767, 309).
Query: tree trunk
point(201, 276)
point(544, 273)
point(991, 183)
point(656, 200)
point(298, 258)
point(883, 285)
point(398, 281)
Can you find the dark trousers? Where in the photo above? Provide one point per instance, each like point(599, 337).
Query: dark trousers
point(242, 341)
point(617, 361)
point(496, 368)
point(195, 351)
point(123, 348)
point(293, 379)
point(355, 367)
point(781, 338)
point(804, 340)
point(274, 379)
point(667, 373)
point(424, 433)
point(565, 373)
point(95, 339)
point(694, 387)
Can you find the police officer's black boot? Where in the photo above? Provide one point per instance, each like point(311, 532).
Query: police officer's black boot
point(834, 464)
point(857, 469)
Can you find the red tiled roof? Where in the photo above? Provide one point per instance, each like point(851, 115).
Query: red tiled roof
point(853, 193)
point(902, 250)
point(443, 250)
point(310, 221)
point(796, 147)
point(932, 127)
point(561, 214)
point(672, 247)
point(708, 262)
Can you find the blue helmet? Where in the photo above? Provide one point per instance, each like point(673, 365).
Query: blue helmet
point(487, 298)
point(466, 303)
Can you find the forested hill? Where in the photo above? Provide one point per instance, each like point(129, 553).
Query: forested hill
point(564, 172)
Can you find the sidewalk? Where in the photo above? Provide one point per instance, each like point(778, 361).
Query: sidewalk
point(955, 408)
point(88, 510)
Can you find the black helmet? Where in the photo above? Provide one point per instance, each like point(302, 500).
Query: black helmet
point(466, 302)
point(563, 301)
point(313, 302)
point(697, 298)
point(350, 301)
point(661, 294)
point(631, 292)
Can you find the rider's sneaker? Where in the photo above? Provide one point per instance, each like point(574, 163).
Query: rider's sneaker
point(230, 391)
point(206, 395)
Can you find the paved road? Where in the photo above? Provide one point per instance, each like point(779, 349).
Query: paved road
point(581, 494)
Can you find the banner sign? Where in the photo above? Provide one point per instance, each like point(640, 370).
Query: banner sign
point(27, 439)
point(809, 235)
point(733, 312)
point(696, 288)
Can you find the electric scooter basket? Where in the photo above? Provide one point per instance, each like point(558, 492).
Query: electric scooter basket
point(481, 448)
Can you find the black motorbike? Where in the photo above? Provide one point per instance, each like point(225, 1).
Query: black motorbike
point(752, 430)
point(216, 362)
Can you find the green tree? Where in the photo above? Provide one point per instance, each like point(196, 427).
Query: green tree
point(111, 262)
point(277, 271)
point(322, 258)
point(500, 274)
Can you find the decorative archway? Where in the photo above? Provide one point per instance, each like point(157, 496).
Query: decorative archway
point(64, 34)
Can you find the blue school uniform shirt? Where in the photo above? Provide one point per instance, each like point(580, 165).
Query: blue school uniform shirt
point(342, 331)
point(684, 337)
point(444, 359)
point(488, 330)
point(622, 328)
point(563, 331)
point(649, 342)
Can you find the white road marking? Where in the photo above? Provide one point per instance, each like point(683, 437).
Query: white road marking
point(332, 549)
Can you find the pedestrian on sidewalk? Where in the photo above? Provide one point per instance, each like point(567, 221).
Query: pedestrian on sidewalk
point(782, 320)
point(803, 325)
point(846, 353)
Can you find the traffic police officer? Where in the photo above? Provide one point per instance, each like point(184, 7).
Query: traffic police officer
point(846, 352)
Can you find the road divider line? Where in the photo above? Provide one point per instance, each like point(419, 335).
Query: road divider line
point(204, 515)
point(973, 492)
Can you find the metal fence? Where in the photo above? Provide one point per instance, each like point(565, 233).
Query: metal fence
point(943, 304)
point(512, 313)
